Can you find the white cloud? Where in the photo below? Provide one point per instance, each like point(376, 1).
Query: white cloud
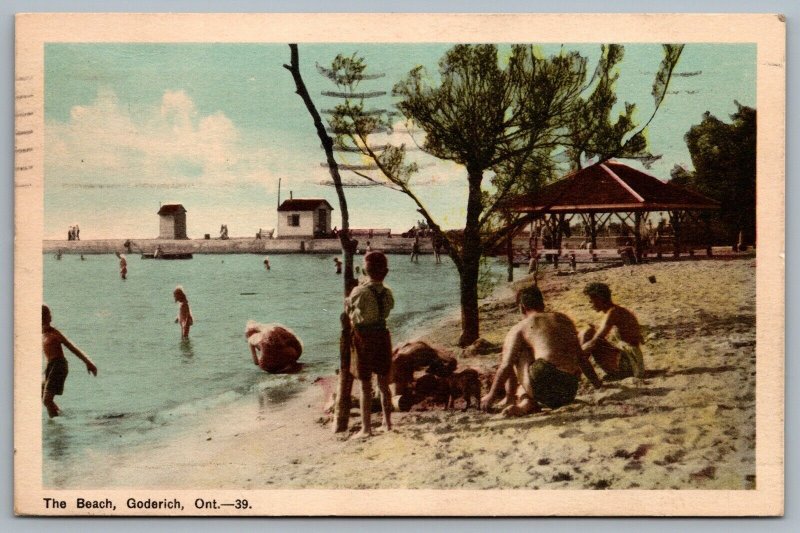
point(105, 143)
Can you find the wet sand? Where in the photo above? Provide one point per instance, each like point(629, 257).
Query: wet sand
point(689, 425)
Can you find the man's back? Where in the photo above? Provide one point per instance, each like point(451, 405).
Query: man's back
point(553, 338)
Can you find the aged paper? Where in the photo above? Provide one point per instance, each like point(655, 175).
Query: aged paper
point(185, 137)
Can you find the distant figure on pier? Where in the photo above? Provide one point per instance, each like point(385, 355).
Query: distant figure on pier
point(274, 348)
point(70, 235)
point(338, 263)
point(223, 232)
point(415, 250)
point(123, 265)
point(157, 254)
point(55, 373)
point(369, 247)
point(77, 232)
point(127, 245)
point(266, 263)
point(184, 318)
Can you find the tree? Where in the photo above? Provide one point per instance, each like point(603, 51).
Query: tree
point(724, 159)
point(515, 121)
point(342, 408)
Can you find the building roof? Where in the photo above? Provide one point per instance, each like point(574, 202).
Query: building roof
point(303, 204)
point(171, 209)
point(608, 187)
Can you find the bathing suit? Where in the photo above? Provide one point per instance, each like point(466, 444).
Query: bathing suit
point(630, 358)
point(552, 387)
point(55, 374)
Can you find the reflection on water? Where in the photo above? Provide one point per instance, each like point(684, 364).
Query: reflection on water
point(57, 440)
point(186, 350)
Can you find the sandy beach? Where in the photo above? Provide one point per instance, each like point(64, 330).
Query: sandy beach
point(689, 425)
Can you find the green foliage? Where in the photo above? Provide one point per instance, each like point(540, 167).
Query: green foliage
point(520, 120)
point(724, 158)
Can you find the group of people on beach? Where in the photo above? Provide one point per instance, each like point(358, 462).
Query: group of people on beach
point(542, 360)
point(543, 355)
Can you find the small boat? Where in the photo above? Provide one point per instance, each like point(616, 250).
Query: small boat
point(167, 255)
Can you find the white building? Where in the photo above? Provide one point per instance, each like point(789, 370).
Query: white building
point(172, 222)
point(304, 217)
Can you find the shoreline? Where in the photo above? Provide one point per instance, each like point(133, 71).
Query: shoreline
point(690, 424)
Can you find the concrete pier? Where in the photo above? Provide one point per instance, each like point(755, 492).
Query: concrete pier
point(248, 245)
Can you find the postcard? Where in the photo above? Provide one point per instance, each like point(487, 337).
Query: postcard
point(399, 264)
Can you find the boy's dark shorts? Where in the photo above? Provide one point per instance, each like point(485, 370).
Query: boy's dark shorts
point(55, 374)
point(551, 386)
point(372, 354)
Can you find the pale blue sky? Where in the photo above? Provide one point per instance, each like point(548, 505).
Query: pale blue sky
point(214, 126)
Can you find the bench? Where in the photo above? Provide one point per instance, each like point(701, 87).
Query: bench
point(582, 255)
point(370, 233)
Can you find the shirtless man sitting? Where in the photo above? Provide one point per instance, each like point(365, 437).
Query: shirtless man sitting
point(542, 353)
point(624, 357)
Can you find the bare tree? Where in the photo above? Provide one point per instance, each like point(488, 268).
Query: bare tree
point(342, 408)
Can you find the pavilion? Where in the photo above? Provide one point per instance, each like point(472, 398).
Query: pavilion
point(606, 189)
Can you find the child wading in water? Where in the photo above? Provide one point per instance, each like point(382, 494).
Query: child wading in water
point(56, 372)
point(368, 307)
point(184, 318)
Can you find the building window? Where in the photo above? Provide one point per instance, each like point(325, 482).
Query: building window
point(293, 220)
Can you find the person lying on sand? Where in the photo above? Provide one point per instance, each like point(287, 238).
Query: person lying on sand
point(624, 357)
point(542, 354)
point(56, 372)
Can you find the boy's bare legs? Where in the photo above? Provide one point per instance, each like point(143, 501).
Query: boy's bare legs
point(52, 408)
point(366, 407)
point(386, 401)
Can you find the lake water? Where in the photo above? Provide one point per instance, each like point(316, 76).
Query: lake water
point(152, 385)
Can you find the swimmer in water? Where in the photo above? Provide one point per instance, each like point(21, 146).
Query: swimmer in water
point(184, 317)
point(56, 372)
point(123, 265)
point(338, 263)
point(266, 263)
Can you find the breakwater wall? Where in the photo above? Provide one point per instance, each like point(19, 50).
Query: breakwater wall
point(389, 245)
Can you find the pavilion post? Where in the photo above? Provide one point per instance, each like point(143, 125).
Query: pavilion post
point(709, 236)
point(675, 220)
point(637, 235)
point(593, 230)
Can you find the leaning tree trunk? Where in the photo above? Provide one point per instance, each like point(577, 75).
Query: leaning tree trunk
point(342, 408)
point(471, 263)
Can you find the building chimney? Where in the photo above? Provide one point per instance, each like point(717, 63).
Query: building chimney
point(290, 195)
